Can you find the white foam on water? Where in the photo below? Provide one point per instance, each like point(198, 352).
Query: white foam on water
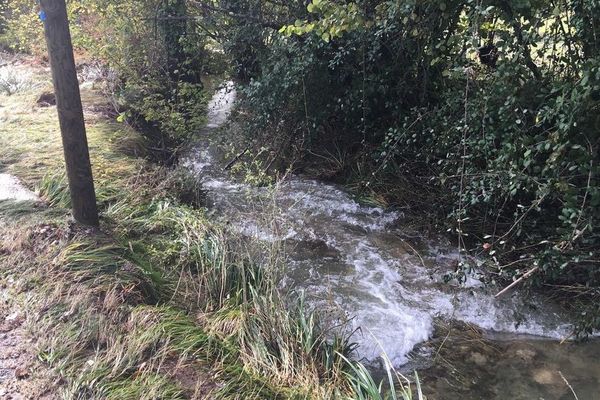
point(12, 189)
point(389, 293)
point(317, 198)
point(253, 230)
point(220, 106)
point(199, 161)
point(215, 184)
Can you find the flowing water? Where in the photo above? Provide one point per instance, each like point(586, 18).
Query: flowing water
point(388, 280)
point(12, 189)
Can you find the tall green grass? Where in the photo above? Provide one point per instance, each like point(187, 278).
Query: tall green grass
point(364, 386)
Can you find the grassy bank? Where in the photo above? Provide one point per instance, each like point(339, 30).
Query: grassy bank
point(159, 303)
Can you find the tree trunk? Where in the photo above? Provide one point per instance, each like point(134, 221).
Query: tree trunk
point(70, 111)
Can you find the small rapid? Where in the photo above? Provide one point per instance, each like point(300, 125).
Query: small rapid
point(12, 189)
point(361, 260)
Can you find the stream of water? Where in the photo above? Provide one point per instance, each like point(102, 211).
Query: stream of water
point(389, 281)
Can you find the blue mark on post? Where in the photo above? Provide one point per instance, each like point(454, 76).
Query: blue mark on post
point(42, 15)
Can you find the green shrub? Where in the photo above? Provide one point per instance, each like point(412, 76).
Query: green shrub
point(509, 145)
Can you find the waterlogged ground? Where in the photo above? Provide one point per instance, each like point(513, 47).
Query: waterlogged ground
point(516, 368)
point(362, 263)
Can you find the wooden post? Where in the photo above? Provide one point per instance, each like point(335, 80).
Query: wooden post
point(70, 111)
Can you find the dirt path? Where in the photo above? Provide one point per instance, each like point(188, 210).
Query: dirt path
point(21, 375)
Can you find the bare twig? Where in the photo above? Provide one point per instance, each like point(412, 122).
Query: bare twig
point(462, 168)
point(515, 283)
point(516, 262)
point(568, 384)
point(576, 234)
point(236, 158)
point(415, 251)
point(533, 205)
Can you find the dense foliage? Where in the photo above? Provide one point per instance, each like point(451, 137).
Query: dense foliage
point(149, 52)
point(491, 105)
